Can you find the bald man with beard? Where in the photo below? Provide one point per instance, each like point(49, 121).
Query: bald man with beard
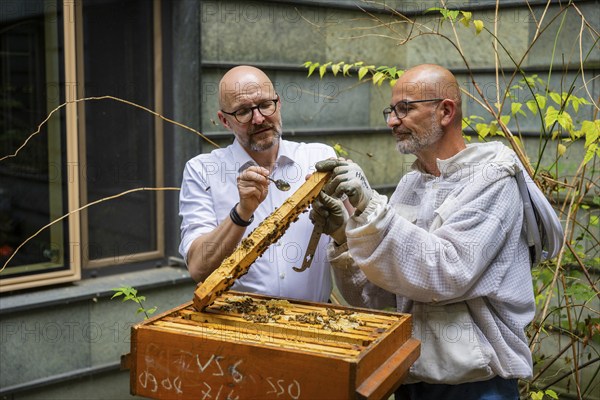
point(225, 194)
point(448, 247)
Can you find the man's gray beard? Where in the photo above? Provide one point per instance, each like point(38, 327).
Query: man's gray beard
point(256, 146)
point(413, 143)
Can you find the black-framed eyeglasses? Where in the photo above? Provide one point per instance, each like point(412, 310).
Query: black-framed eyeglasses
point(401, 108)
point(244, 115)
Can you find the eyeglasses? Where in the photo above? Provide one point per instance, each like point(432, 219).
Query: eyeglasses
point(244, 115)
point(401, 108)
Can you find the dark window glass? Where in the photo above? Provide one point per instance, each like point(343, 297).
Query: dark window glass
point(119, 138)
point(32, 183)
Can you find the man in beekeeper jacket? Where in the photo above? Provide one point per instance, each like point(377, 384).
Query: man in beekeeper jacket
point(448, 247)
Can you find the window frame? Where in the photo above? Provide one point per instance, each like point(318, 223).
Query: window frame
point(159, 250)
point(74, 120)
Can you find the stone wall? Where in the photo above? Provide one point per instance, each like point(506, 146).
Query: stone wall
point(67, 342)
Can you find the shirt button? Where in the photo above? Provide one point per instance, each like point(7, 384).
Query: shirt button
point(282, 275)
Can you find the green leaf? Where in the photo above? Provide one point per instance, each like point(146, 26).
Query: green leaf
point(532, 105)
point(556, 98)
point(466, 19)
point(589, 154)
point(128, 291)
point(482, 130)
point(140, 310)
point(564, 119)
point(515, 108)
point(129, 297)
point(346, 69)
point(116, 294)
point(124, 290)
point(537, 395)
point(378, 78)
point(340, 150)
point(591, 130)
point(505, 119)
point(551, 393)
point(541, 100)
point(312, 68)
point(575, 103)
point(561, 149)
point(453, 14)
point(583, 100)
point(152, 310)
point(551, 116)
point(362, 72)
point(493, 128)
point(530, 80)
point(465, 123)
point(518, 141)
point(335, 68)
point(478, 26)
point(322, 70)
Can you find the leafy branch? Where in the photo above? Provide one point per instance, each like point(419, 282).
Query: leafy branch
point(565, 286)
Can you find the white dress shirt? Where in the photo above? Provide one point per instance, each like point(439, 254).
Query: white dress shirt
point(209, 191)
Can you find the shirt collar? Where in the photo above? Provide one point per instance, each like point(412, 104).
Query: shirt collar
point(243, 159)
point(240, 157)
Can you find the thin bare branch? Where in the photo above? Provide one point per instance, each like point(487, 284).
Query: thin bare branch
point(586, 273)
point(572, 194)
point(539, 25)
point(105, 98)
point(80, 209)
point(496, 55)
point(573, 343)
point(581, 64)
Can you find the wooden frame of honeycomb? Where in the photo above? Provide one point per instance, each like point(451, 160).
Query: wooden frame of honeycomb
point(257, 242)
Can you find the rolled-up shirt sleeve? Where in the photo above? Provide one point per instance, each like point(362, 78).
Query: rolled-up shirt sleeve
point(196, 206)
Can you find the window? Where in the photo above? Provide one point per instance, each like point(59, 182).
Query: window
point(52, 53)
point(120, 151)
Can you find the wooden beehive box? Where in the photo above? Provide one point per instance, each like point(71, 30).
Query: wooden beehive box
point(234, 346)
point(254, 347)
